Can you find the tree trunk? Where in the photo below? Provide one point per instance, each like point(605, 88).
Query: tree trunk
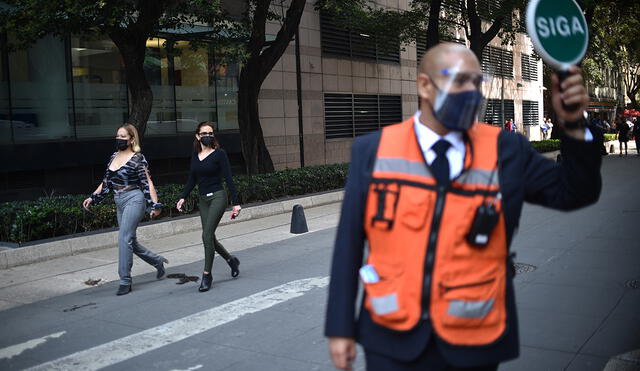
point(433, 28)
point(261, 61)
point(632, 98)
point(254, 150)
point(478, 39)
point(133, 49)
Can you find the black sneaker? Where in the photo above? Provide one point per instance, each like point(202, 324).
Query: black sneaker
point(123, 290)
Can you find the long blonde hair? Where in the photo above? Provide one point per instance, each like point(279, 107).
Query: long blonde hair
point(133, 133)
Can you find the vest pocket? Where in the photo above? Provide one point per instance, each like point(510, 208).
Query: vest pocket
point(416, 208)
point(383, 299)
point(470, 304)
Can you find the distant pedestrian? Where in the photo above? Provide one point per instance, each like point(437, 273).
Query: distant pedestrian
point(544, 129)
point(623, 132)
point(209, 163)
point(128, 176)
point(636, 135)
point(508, 126)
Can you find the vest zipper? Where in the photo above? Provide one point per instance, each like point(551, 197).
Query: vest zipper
point(431, 247)
point(444, 288)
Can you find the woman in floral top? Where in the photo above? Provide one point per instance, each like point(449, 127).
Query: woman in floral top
point(127, 175)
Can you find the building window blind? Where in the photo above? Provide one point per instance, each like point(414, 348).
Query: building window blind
point(354, 43)
point(529, 68)
point(350, 115)
point(497, 62)
point(487, 9)
point(530, 112)
point(493, 113)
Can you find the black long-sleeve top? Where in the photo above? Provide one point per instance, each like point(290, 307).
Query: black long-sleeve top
point(208, 173)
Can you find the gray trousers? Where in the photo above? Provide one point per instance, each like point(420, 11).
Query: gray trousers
point(131, 208)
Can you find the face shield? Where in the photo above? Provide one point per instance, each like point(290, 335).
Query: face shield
point(460, 101)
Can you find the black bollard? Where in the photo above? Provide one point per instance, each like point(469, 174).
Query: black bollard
point(298, 221)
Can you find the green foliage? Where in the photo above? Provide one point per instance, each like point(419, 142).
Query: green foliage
point(389, 25)
point(609, 137)
point(53, 216)
point(30, 20)
point(547, 145)
point(614, 42)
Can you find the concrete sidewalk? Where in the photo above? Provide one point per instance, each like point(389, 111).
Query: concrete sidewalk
point(63, 275)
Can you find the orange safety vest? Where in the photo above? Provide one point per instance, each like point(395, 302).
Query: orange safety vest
point(417, 241)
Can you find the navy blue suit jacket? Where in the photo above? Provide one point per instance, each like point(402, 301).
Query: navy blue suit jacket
point(524, 175)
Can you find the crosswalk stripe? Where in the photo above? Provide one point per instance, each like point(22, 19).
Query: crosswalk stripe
point(16, 350)
point(145, 341)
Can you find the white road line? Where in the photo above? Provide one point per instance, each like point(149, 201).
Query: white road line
point(17, 349)
point(189, 369)
point(145, 341)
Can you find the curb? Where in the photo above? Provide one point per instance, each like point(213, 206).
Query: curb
point(149, 231)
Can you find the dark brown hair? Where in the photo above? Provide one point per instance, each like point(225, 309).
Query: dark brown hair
point(197, 147)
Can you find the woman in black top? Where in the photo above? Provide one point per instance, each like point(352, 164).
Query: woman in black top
point(623, 132)
point(209, 163)
point(127, 175)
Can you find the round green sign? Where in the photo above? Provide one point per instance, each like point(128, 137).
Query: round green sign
point(558, 31)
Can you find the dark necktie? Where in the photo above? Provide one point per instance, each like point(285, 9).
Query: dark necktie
point(440, 166)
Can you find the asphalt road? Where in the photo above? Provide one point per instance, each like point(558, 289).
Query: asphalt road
point(577, 308)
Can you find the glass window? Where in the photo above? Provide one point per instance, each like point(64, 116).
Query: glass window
point(99, 87)
point(195, 88)
point(227, 77)
point(159, 72)
point(5, 123)
point(40, 91)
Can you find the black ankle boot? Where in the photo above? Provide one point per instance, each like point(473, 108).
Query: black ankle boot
point(160, 267)
point(234, 263)
point(205, 284)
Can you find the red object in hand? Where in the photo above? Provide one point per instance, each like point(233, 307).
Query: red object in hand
point(234, 215)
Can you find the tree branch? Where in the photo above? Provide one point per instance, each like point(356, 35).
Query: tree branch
point(257, 39)
point(272, 54)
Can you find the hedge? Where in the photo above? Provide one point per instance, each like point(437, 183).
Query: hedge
point(53, 216)
point(547, 145)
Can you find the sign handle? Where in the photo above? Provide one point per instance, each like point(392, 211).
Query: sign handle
point(562, 75)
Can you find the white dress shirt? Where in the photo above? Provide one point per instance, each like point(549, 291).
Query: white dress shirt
point(455, 154)
point(427, 138)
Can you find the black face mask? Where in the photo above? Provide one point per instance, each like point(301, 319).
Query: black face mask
point(457, 111)
point(122, 144)
point(206, 141)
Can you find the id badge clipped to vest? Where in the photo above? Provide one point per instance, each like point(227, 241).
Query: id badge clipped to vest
point(484, 222)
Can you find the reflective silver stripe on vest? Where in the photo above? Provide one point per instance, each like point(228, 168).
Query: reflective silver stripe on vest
point(385, 304)
point(400, 165)
point(470, 309)
point(478, 176)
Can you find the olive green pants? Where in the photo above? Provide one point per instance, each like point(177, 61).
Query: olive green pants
point(211, 210)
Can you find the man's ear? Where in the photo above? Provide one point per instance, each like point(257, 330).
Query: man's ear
point(423, 82)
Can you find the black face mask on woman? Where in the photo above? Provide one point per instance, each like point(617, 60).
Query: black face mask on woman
point(122, 144)
point(206, 141)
